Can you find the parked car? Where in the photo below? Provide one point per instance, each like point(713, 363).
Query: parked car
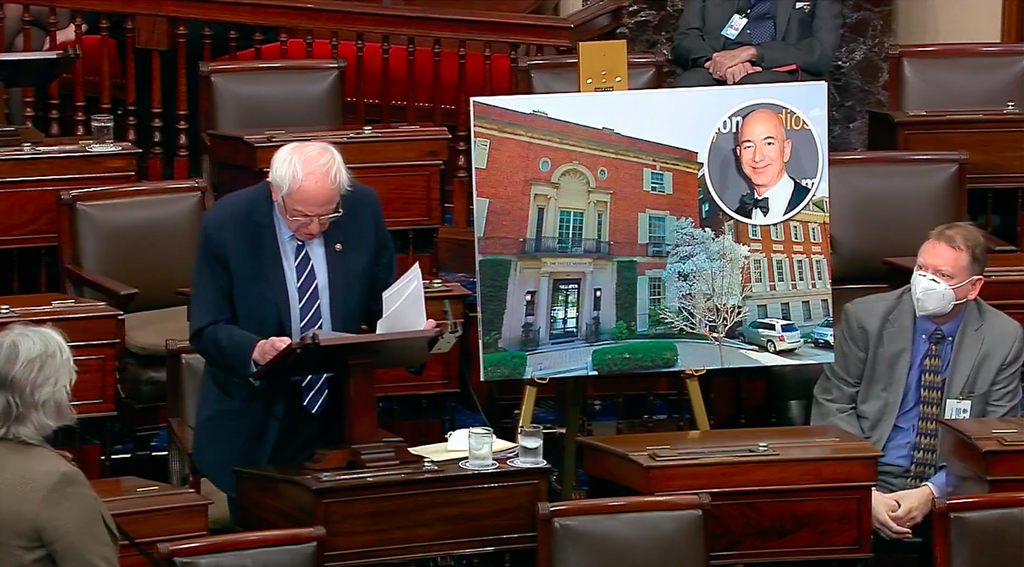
point(822, 334)
point(772, 334)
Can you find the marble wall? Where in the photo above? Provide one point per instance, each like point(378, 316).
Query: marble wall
point(857, 82)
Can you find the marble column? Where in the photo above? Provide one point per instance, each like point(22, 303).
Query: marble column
point(858, 78)
point(542, 317)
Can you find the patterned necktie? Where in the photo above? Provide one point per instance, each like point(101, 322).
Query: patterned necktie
point(314, 386)
point(922, 465)
point(762, 26)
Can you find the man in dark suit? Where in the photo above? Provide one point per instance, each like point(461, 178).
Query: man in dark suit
point(907, 358)
point(307, 250)
point(763, 151)
point(755, 41)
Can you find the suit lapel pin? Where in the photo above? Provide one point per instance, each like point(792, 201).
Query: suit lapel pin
point(338, 247)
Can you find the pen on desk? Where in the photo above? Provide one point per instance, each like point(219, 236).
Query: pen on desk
point(147, 488)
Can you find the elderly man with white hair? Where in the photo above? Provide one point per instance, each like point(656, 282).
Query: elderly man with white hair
point(305, 250)
point(49, 514)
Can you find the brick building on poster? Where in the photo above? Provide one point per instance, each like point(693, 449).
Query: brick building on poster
point(571, 207)
point(790, 266)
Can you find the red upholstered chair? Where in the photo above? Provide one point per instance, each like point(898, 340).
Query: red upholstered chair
point(397, 68)
point(92, 65)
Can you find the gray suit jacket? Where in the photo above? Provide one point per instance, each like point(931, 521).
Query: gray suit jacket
point(49, 513)
point(861, 391)
point(806, 37)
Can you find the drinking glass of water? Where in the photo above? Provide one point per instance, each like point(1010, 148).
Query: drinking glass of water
point(531, 445)
point(102, 131)
point(480, 443)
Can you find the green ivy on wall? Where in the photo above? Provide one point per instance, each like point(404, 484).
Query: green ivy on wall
point(493, 292)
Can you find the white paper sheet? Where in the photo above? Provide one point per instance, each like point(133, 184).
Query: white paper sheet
point(405, 307)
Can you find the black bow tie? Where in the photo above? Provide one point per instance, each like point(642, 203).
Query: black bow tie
point(755, 203)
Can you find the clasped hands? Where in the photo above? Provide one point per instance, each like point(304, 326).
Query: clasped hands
point(732, 65)
point(268, 348)
point(893, 515)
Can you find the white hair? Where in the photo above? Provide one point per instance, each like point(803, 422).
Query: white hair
point(36, 375)
point(293, 161)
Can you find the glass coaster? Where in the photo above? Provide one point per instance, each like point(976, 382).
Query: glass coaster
point(519, 464)
point(465, 464)
point(102, 148)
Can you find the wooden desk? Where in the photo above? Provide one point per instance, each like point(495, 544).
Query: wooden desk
point(373, 517)
point(807, 497)
point(151, 512)
point(29, 183)
point(404, 164)
point(95, 332)
point(1004, 281)
point(983, 455)
point(993, 138)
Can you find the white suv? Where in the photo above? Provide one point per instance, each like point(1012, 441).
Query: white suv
point(773, 334)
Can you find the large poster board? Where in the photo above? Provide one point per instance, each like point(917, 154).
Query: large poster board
point(652, 230)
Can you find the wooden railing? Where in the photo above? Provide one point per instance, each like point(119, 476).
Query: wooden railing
point(142, 67)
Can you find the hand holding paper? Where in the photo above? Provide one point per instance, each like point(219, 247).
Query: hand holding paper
point(405, 308)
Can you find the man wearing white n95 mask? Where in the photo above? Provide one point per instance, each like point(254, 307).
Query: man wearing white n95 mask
point(906, 358)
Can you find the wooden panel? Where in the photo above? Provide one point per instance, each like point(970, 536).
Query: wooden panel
point(1013, 21)
point(30, 217)
point(983, 454)
point(95, 333)
point(410, 195)
point(993, 151)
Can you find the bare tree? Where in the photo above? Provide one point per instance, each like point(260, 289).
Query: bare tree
point(707, 279)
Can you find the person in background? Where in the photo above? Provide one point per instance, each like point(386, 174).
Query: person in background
point(763, 151)
point(49, 514)
point(907, 358)
point(755, 41)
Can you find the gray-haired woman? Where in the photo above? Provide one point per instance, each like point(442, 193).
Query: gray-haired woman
point(49, 514)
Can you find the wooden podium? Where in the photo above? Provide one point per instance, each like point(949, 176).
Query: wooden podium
point(983, 455)
point(357, 357)
point(777, 494)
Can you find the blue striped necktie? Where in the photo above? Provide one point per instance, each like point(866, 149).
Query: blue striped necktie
point(314, 386)
point(762, 26)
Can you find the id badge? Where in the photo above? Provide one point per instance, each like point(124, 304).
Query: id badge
point(958, 409)
point(735, 25)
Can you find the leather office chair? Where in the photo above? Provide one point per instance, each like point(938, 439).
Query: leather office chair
point(905, 194)
point(559, 73)
point(667, 531)
point(134, 245)
point(184, 379)
point(956, 76)
point(792, 393)
point(286, 93)
point(986, 529)
point(293, 547)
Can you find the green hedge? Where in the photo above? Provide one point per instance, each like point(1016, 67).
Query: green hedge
point(504, 366)
point(625, 293)
point(493, 293)
point(635, 357)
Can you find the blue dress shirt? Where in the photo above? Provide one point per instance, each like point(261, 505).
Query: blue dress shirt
point(899, 446)
point(315, 248)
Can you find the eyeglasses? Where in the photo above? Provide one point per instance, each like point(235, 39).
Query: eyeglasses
point(306, 220)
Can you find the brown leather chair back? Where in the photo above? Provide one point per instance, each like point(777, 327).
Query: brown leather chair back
point(883, 204)
point(667, 531)
point(974, 531)
point(184, 379)
point(559, 73)
point(143, 235)
point(294, 547)
point(956, 76)
point(287, 93)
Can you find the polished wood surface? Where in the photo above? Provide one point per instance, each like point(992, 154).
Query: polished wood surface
point(994, 140)
point(404, 164)
point(1004, 281)
point(944, 507)
point(29, 183)
point(95, 332)
point(151, 512)
point(804, 494)
point(983, 454)
point(227, 543)
point(398, 514)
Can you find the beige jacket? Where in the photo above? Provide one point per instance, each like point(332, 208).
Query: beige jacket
point(49, 513)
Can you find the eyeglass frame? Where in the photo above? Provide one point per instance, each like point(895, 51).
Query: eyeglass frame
point(322, 220)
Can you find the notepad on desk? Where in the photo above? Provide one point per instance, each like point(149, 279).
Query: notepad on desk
point(440, 452)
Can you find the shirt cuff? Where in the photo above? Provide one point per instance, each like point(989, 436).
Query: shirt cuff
point(937, 484)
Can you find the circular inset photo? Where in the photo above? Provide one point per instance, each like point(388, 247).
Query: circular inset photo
point(764, 162)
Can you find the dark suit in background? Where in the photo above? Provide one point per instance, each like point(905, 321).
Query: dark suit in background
point(796, 198)
point(240, 296)
point(807, 37)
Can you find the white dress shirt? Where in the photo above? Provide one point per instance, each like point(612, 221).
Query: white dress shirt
point(778, 198)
